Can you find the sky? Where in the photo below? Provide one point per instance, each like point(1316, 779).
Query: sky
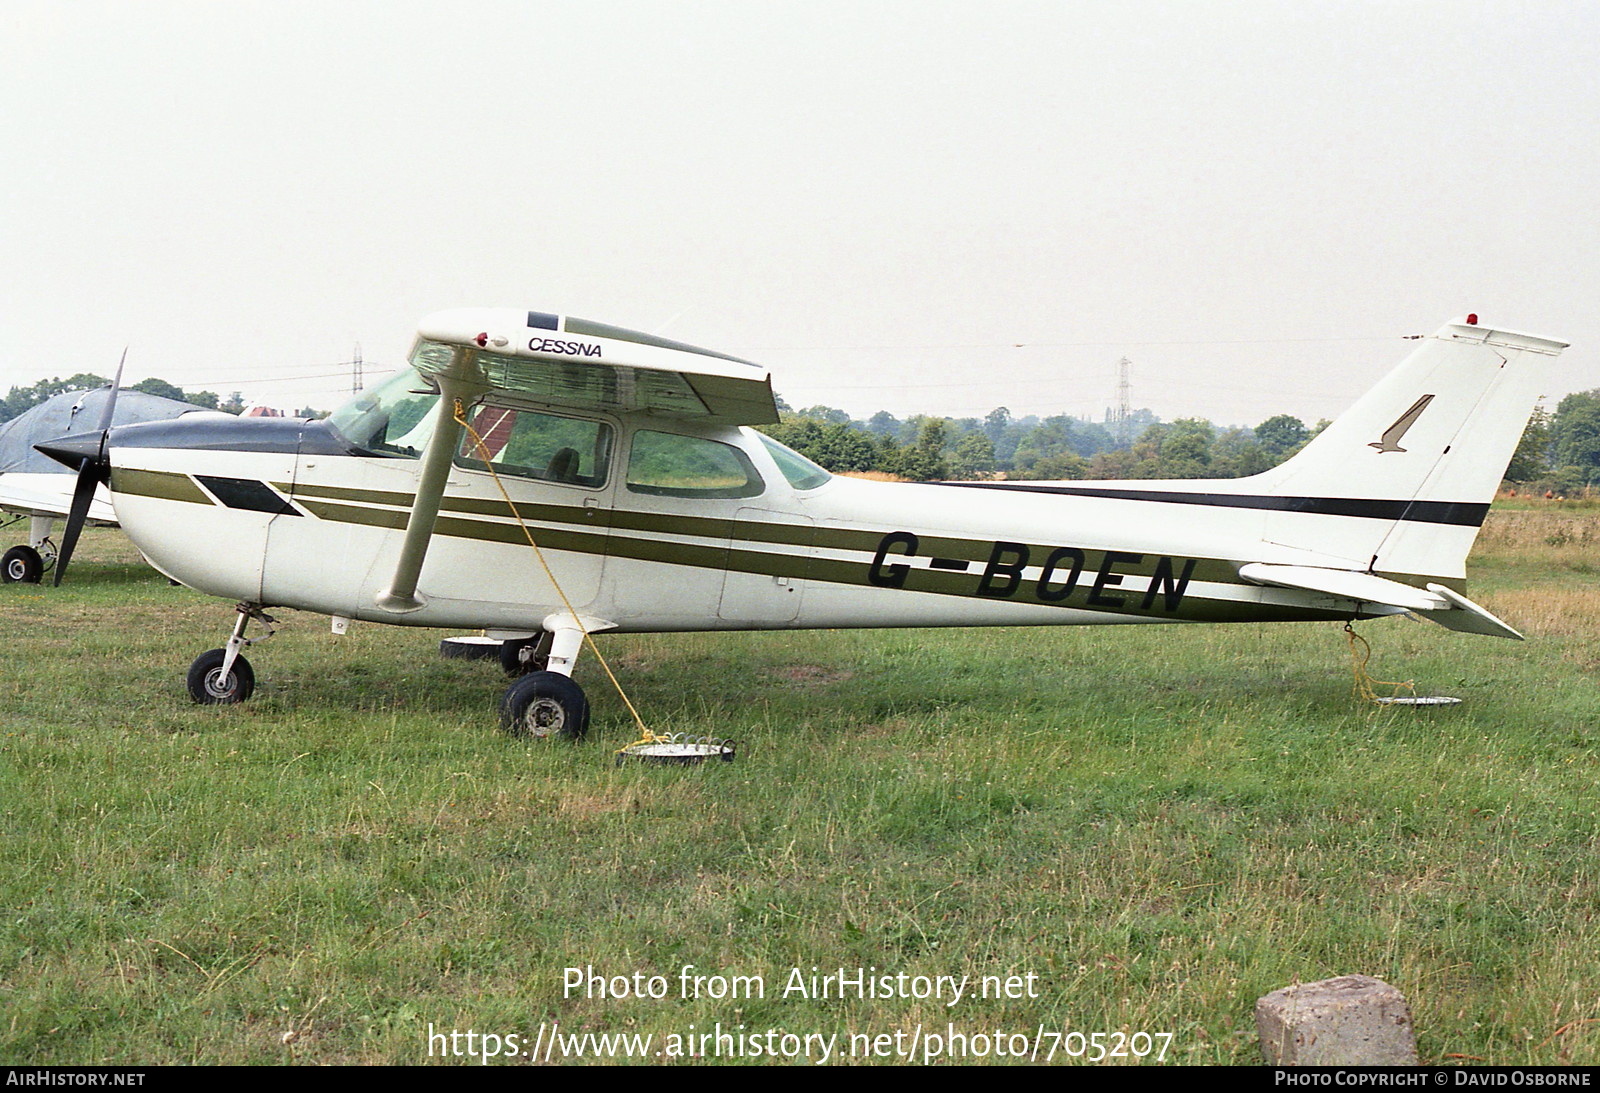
point(930, 207)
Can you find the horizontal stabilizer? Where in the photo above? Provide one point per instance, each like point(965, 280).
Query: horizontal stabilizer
point(1439, 604)
point(1467, 616)
point(1348, 584)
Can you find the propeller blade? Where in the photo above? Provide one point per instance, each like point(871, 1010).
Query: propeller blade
point(111, 403)
point(91, 472)
point(82, 494)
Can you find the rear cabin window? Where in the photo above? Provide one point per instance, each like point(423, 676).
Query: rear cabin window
point(670, 465)
point(532, 445)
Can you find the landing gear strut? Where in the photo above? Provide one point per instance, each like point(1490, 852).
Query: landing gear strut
point(221, 676)
point(519, 656)
point(545, 702)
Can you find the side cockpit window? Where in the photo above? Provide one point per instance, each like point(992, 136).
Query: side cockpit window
point(671, 465)
point(529, 444)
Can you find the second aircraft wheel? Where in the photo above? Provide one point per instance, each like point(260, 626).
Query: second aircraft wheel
point(519, 656)
point(21, 565)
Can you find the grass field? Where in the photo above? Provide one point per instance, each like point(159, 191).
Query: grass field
point(1158, 824)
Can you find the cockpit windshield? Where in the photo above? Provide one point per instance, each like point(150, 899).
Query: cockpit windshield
point(800, 471)
point(394, 418)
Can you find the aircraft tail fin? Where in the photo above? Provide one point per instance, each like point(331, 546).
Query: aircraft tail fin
point(1419, 457)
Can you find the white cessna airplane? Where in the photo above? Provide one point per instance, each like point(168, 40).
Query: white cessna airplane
point(656, 507)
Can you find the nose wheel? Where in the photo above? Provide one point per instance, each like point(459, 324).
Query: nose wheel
point(221, 677)
point(27, 564)
point(213, 682)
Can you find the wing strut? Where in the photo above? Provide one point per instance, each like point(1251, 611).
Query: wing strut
point(401, 595)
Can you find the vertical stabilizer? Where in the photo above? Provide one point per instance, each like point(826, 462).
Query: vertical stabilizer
point(1419, 457)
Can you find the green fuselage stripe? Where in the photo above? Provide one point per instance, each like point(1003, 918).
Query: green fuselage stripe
point(1131, 588)
point(166, 485)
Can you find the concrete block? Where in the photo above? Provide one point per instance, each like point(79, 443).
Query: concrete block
point(1354, 1020)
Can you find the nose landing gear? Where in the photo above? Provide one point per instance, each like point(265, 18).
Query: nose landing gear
point(221, 677)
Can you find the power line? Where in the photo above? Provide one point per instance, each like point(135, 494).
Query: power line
point(1048, 345)
point(269, 379)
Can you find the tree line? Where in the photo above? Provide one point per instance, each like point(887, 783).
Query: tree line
point(999, 445)
point(1559, 451)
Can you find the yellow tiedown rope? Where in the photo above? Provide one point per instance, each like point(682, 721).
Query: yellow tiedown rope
point(1364, 681)
point(645, 735)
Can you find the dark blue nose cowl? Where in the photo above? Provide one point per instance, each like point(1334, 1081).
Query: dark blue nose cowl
point(78, 450)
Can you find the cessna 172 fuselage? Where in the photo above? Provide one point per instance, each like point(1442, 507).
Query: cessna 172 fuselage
point(631, 461)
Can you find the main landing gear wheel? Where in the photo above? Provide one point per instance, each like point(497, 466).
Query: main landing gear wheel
point(209, 687)
point(21, 565)
point(545, 704)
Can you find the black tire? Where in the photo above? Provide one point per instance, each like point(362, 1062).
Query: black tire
point(519, 656)
point(545, 705)
point(469, 648)
point(207, 687)
point(21, 565)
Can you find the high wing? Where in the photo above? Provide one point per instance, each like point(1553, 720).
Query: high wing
point(561, 361)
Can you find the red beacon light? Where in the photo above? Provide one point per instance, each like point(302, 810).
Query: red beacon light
point(1472, 320)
